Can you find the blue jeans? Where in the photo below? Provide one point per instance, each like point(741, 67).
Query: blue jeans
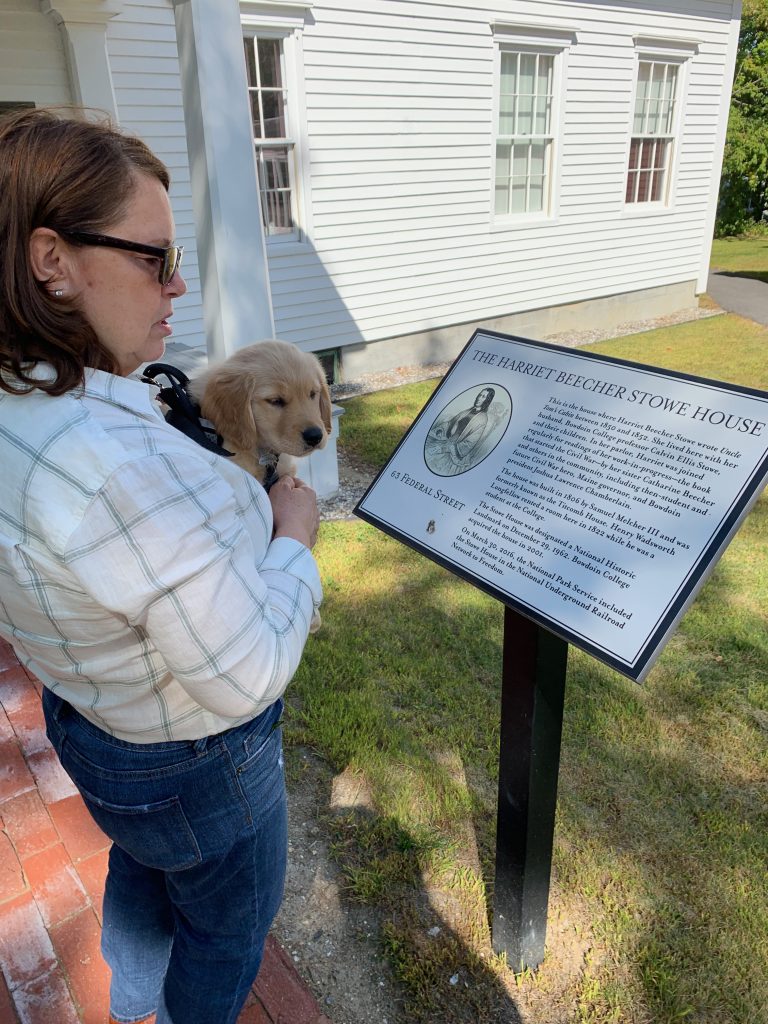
point(197, 866)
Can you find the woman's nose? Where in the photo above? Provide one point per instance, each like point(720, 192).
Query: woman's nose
point(177, 285)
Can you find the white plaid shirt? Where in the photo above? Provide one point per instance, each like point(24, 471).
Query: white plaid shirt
point(138, 575)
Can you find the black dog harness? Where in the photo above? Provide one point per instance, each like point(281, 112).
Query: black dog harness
point(184, 414)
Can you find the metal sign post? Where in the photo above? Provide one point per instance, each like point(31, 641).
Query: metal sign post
point(533, 692)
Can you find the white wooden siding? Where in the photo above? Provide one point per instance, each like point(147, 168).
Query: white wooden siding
point(141, 43)
point(32, 64)
point(399, 101)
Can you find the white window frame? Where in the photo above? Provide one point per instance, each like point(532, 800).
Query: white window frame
point(550, 42)
point(670, 53)
point(284, 20)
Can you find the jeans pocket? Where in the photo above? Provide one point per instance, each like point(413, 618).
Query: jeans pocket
point(260, 776)
point(156, 835)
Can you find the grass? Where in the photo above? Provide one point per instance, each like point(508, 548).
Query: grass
point(659, 904)
point(746, 256)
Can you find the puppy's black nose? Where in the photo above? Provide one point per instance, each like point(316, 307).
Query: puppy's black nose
point(313, 436)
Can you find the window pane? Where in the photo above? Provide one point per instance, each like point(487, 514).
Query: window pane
point(508, 73)
point(543, 107)
point(274, 182)
point(277, 212)
point(253, 96)
point(527, 74)
point(658, 78)
point(250, 61)
point(518, 195)
point(269, 63)
point(669, 126)
point(506, 115)
point(652, 123)
point(503, 156)
point(501, 201)
point(274, 161)
point(538, 159)
point(643, 80)
point(525, 115)
point(634, 153)
point(536, 195)
point(520, 160)
point(544, 85)
point(274, 115)
point(641, 101)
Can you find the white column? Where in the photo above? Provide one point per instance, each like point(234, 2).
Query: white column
point(83, 26)
point(231, 246)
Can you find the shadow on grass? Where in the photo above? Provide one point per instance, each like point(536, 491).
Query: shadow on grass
point(754, 275)
point(445, 978)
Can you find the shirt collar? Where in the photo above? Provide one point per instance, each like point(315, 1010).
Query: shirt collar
point(126, 392)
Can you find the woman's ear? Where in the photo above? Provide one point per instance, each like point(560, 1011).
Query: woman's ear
point(48, 258)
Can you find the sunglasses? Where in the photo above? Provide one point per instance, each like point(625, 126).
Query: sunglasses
point(170, 256)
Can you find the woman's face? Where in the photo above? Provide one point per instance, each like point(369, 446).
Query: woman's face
point(480, 399)
point(119, 292)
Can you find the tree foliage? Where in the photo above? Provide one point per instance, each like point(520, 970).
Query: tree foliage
point(744, 182)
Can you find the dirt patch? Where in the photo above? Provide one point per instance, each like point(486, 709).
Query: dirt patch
point(338, 945)
point(335, 943)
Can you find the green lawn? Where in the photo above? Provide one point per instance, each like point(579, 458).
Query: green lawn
point(746, 256)
point(659, 903)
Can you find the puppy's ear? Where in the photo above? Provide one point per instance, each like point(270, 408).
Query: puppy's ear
point(227, 401)
point(325, 404)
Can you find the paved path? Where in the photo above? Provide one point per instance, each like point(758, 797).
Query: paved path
point(53, 861)
point(743, 295)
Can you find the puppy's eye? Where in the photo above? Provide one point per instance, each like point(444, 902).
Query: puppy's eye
point(279, 402)
point(313, 394)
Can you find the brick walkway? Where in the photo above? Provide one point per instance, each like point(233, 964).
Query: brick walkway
point(52, 864)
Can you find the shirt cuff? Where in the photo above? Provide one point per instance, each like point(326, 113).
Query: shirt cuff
point(287, 555)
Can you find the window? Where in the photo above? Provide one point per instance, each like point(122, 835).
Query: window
point(653, 132)
point(531, 63)
point(524, 138)
point(275, 146)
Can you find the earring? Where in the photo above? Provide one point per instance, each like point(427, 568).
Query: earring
point(58, 293)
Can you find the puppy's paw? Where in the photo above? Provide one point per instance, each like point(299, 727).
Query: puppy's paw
point(286, 465)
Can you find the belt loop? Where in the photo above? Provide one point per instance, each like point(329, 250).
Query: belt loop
point(200, 746)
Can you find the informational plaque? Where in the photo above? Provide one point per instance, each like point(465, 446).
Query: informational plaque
point(591, 494)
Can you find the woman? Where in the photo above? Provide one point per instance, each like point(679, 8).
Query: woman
point(452, 446)
point(161, 597)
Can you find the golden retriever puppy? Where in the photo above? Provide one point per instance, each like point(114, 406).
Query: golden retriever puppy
point(268, 401)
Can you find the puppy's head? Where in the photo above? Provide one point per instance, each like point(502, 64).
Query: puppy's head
point(270, 395)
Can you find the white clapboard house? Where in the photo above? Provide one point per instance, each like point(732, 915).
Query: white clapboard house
point(372, 179)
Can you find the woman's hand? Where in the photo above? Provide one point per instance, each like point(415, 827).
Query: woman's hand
point(294, 509)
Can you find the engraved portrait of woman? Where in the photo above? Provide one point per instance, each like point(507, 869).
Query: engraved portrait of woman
point(464, 433)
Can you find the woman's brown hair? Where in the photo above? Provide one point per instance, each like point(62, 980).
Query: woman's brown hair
point(69, 174)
